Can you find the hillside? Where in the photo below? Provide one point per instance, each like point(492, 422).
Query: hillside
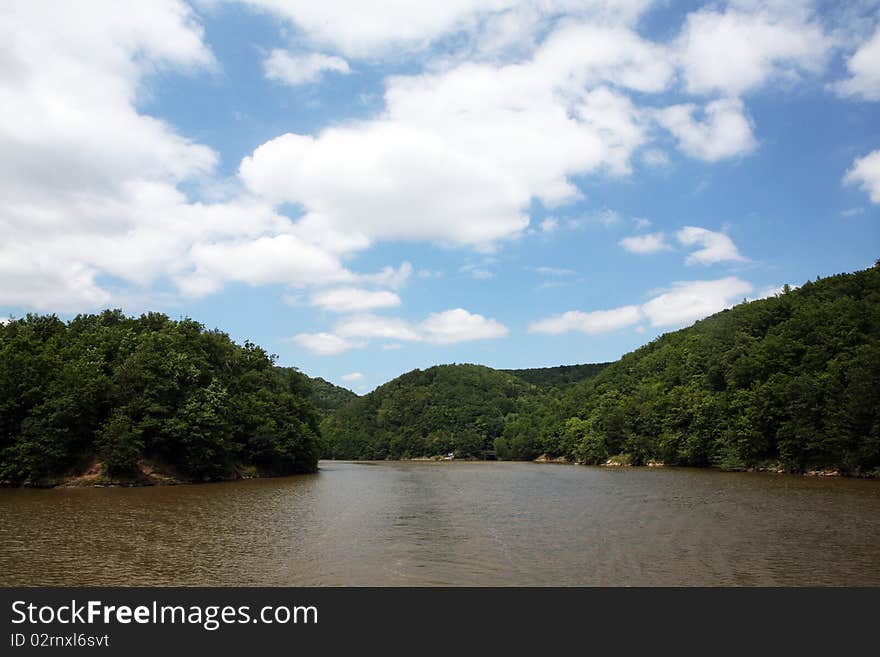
point(328, 397)
point(145, 399)
point(786, 383)
point(790, 382)
point(561, 375)
point(446, 408)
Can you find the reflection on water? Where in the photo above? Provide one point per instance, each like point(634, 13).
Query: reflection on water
point(418, 523)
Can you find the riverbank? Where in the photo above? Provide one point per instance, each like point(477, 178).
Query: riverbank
point(150, 473)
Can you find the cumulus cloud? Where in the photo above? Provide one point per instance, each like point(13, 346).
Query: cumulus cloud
point(369, 30)
point(326, 344)
point(377, 326)
point(458, 325)
point(864, 70)
point(683, 303)
point(865, 172)
point(74, 151)
point(442, 328)
point(353, 300)
point(714, 247)
point(458, 157)
point(724, 131)
point(296, 70)
point(447, 327)
point(90, 187)
point(96, 195)
point(686, 302)
point(643, 244)
point(734, 51)
point(354, 376)
point(591, 323)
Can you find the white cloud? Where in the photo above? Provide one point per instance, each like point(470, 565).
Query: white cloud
point(641, 224)
point(725, 131)
point(734, 52)
point(686, 302)
point(74, 151)
point(865, 172)
point(277, 259)
point(481, 142)
point(458, 325)
point(683, 303)
point(89, 184)
point(714, 247)
point(354, 376)
point(376, 326)
point(864, 70)
point(352, 299)
point(591, 323)
point(296, 70)
point(447, 327)
point(390, 27)
point(326, 344)
point(643, 244)
point(389, 276)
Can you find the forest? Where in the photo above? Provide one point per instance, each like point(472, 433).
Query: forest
point(788, 383)
point(131, 394)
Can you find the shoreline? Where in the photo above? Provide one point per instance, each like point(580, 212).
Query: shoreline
point(155, 476)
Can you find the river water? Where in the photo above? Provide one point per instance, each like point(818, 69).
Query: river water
point(426, 523)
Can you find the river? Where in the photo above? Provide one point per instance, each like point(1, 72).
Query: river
point(458, 523)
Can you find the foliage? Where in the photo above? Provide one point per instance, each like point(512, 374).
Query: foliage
point(791, 380)
point(447, 408)
point(124, 389)
point(559, 376)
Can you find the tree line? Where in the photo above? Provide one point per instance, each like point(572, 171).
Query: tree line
point(124, 390)
point(790, 382)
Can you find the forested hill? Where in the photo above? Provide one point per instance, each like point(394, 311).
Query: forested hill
point(791, 382)
point(446, 408)
point(140, 399)
point(561, 375)
point(328, 397)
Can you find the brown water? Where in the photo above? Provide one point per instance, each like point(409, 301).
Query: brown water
point(451, 523)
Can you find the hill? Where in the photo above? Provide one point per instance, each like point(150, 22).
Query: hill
point(787, 383)
point(561, 375)
point(123, 399)
point(446, 408)
point(791, 382)
point(328, 397)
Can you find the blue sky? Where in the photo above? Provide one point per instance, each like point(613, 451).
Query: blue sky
point(366, 188)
